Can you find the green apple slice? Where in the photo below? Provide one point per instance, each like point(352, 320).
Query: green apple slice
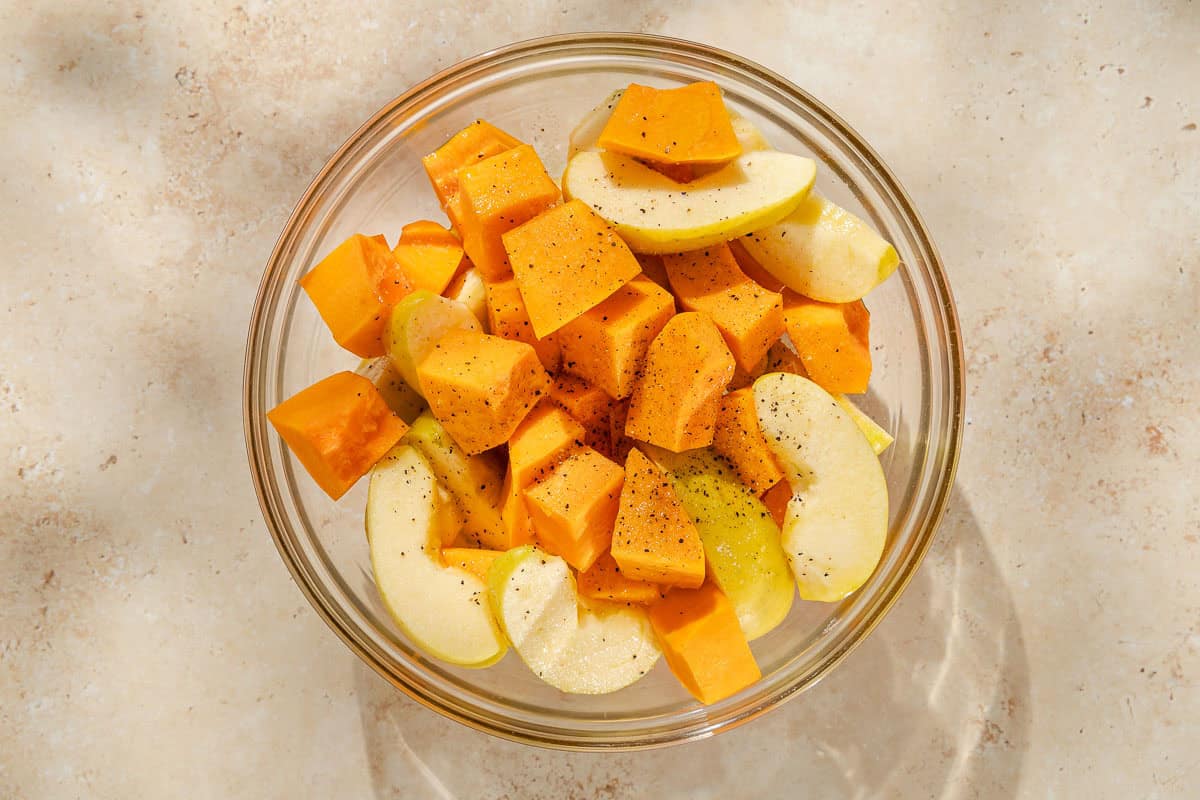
point(593, 649)
point(654, 214)
point(879, 438)
point(741, 540)
point(469, 289)
point(475, 482)
point(443, 610)
point(836, 523)
point(823, 251)
point(401, 398)
point(416, 324)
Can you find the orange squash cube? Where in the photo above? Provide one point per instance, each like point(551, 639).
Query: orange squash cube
point(776, 500)
point(748, 316)
point(703, 643)
point(566, 261)
point(833, 341)
point(574, 507)
point(354, 289)
point(604, 581)
point(508, 317)
point(472, 144)
point(542, 439)
point(588, 405)
point(739, 438)
point(337, 428)
point(498, 194)
point(654, 539)
point(606, 345)
point(471, 560)
point(675, 403)
point(429, 254)
point(686, 125)
point(481, 386)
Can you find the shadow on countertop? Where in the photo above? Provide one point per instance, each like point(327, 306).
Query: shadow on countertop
point(935, 703)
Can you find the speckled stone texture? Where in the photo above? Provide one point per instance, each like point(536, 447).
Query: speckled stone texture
point(153, 645)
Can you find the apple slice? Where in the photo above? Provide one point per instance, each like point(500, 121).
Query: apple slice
point(401, 398)
point(741, 540)
point(879, 438)
point(593, 649)
point(416, 324)
point(837, 520)
point(474, 482)
point(443, 610)
point(823, 251)
point(654, 214)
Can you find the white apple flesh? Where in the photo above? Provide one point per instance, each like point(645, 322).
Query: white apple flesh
point(836, 523)
point(595, 649)
point(443, 610)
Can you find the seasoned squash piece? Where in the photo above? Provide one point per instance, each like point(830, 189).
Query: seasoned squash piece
point(833, 341)
point(776, 500)
point(508, 317)
point(604, 581)
point(675, 404)
point(748, 316)
point(471, 560)
point(498, 194)
point(337, 428)
point(429, 254)
point(653, 538)
point(588, 405)
point(739, 439)
point(686, 125)
point(567, 260)
point(574, 507)
point(354, 288)
point(480, 386)
point(703, 643)
point(606, 345)
point(472, 144)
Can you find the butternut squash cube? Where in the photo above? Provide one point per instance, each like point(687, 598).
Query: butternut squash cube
point(498, 194)
point(833, 341)
point(604, 581)
point(606, 345)
point(337, 428)
point(588, 405)
point(675, 403)
point(654, 539)
point(354, 288)
point(574, 507)
point(508, 317)
point(776, 500)
point(472, 144)
point(739, 439)
point(543, 438)
point(748, 316)
point(686, 125)
point(481, 386)
point(566, 261)
point(703, 643)
point(429, 254)
point(471, 560)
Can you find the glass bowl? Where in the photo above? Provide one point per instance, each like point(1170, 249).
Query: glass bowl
point(537, 90)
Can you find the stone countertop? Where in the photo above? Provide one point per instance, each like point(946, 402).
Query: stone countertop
point(153, 645)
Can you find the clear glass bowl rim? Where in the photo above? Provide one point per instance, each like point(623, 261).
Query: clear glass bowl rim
point(690, 726)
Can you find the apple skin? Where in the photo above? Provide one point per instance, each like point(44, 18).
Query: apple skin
point(655, 214)
point(836, 524)
point(416, 324)
point(741, 541)
point(595, 648)
point(823, 251)
point(443, 610)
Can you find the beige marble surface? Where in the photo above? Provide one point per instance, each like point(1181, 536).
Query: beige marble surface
point(151, 642)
